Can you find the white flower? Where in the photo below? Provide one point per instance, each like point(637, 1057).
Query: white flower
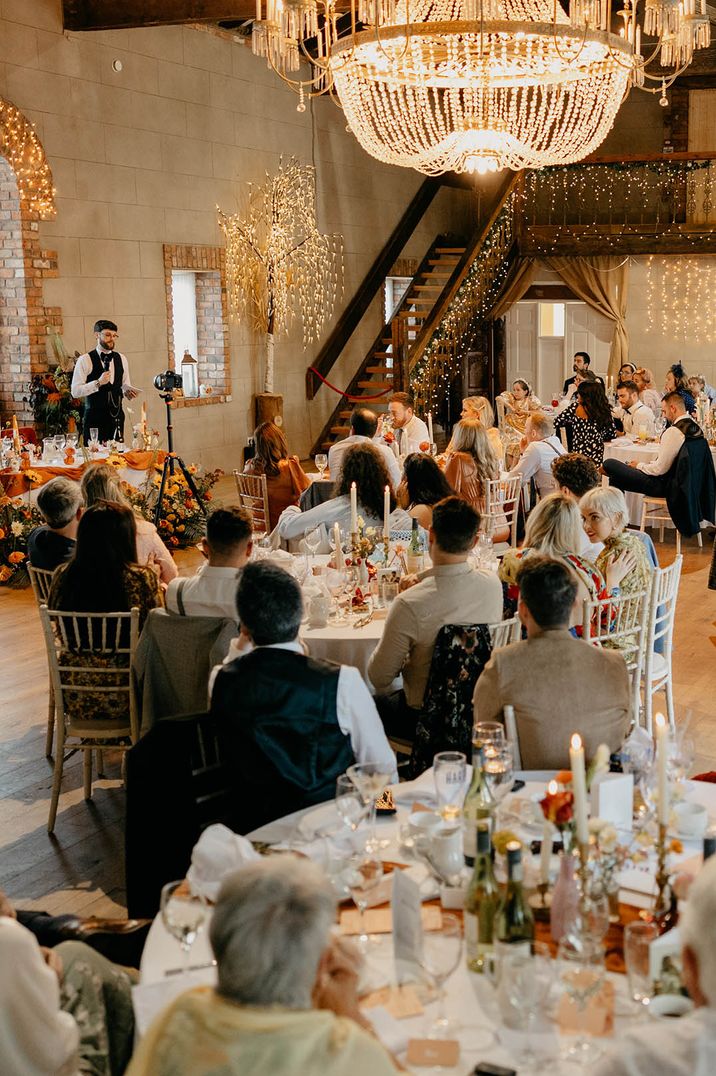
point(596, 825)
point(16, 529)
point(601, 759)
point(608, 838)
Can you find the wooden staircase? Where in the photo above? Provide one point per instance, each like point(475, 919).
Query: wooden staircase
point(384, 368)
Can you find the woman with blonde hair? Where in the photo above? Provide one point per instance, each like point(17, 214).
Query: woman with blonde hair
point(648, 394)
point(100, 482)
point(285, 478)
point(470, 465)
point(479, 407)
point(605, 517)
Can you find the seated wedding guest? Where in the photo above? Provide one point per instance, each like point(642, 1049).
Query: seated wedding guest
point(290, 723)
point(100, 482)
point(422, 486)
point(626, 371)
point(652, 477)
point(286, 1002)
point(451, 592)
point(683, 1046)
point(470, 462)
point(606, 516)
point(60, 502)
point(632, 415)
point(364, 465)
point(519, 405)
point(285, 478)
point(589, 418)
point(103, 576)
point(580, 365)
point(479, 407)
point(575, 475)
point(554, 530)
point(540, 447)
point(409, 430)
point(699, 387)
point(63, 1011)
point(363, 424)
point(227, 548)
point(648, 394)
point(543, 675)
point(676, 380)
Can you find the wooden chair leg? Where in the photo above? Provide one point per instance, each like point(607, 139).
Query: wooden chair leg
point(56, 784)
point(50, 723)
point(100, 764)
point(87, 767)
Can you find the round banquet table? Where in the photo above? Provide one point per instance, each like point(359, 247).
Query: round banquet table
point(627, 449)
point(470, 999)
point(345, 644)
point(134, 472)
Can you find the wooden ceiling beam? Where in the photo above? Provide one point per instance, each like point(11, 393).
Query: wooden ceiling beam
point(127, 14)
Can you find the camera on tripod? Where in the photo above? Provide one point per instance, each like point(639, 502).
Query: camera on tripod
point(169, 381)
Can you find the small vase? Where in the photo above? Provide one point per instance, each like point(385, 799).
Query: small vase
point(565, 897)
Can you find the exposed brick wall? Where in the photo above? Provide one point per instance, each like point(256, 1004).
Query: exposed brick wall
point(212, 308)
point(24, 320)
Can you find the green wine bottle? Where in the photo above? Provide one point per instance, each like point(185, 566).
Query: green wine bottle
point(481, 902)
point(514, 925)
point(415, 546)
point(478, 805)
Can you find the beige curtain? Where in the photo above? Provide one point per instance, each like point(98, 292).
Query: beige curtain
point(515, 286)
point(603, 282)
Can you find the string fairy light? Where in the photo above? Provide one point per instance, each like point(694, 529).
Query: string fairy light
point(23, 151)
point(678, 290)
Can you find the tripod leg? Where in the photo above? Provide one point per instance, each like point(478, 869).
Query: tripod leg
point(191, 484)
point(158, 509)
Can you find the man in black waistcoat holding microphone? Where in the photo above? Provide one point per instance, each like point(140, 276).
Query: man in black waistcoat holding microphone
point(101, 379)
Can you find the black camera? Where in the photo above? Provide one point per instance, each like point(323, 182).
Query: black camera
point(168, 381)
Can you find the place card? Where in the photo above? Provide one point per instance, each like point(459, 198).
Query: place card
point(433, 1053)
point(612, 799)
point(380, 920)
point(400, 1001)
point(597, 1018)
point(418, 806)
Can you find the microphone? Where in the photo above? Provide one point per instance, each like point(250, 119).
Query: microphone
point(105, 362)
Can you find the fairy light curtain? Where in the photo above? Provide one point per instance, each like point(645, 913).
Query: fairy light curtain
point(679, 298)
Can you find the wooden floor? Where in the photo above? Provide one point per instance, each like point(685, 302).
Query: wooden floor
point(81, 869)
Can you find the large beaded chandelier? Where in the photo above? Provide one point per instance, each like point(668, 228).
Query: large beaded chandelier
point(479, 85)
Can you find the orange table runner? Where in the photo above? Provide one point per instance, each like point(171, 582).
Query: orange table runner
point(15, 483)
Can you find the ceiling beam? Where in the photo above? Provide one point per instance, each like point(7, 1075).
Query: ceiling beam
point(126, 14)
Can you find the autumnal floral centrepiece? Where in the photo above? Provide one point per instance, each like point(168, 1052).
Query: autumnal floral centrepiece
point(52, 402)
point(16, 522)
point(182, 521)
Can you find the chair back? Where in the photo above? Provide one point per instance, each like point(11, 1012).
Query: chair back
point(505, 632)
point(446, 719)
point(502, 499)
point(619, 623)
point(659, 635)
point(89, 655)
point(253, 495)
point(500, 412)
point(41, 580)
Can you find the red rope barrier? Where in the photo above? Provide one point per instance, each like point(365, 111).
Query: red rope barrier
point(353, 399)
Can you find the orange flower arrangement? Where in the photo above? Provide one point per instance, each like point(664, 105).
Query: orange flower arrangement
point(16, 522)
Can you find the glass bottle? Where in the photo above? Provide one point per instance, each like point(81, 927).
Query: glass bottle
point(514, 924)
point(478, 805)
point(481, 902)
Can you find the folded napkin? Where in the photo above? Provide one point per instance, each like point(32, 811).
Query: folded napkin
point(282, 558)
point(217, 853)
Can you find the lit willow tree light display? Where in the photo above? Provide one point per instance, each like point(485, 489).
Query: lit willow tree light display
point(278, 265)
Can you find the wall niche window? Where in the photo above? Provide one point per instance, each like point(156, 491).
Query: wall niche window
point(197, 318)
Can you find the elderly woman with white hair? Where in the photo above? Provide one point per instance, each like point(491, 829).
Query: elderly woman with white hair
point(286, 1001)
point(685, 1046)
point(605, 517)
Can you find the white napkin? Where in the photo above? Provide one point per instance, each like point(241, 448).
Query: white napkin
point(217, 853)
point(281, 558)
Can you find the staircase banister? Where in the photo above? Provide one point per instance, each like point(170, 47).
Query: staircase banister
point(373, 281)
point(461, 269)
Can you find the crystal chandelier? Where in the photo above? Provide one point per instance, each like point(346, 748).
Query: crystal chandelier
point(479, 85)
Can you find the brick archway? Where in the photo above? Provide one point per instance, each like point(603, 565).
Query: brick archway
point(26, 197)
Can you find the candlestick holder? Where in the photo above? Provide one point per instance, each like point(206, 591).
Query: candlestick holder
point(354, 544)
point(583, 875)
point(386, 548)
point(662, 904)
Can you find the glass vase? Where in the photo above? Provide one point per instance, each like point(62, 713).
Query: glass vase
point(565, 897)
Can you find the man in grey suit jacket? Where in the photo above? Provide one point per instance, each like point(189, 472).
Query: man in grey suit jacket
point(556, 683)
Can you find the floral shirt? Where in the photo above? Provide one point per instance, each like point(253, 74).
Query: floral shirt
point(587, 437)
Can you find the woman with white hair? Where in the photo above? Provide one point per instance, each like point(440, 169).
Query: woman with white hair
point(286, 1000)
point(605, 517)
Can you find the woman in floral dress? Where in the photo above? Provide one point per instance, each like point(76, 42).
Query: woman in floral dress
point(590, 419)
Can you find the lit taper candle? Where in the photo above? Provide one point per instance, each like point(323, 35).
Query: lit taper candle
point(386, 512)
point(579, 788)
point(662, 762)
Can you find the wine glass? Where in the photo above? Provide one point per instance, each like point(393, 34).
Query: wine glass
point(349, 802)
point(498, 768)
point(488, 732)
point(581, 970)
point(442, 951)
point(527, 980)
point(321, 462)
point(313, 539)
point(183, 914)
point(94, 435)
point(371, 779)
point(659, 425)
point(364, 873)
point(449, 773)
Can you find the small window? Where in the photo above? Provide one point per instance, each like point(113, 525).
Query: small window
point(184, 312)
point(551, 319)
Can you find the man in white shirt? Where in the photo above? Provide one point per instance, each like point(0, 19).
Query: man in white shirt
point(451, 592)
point(101, 379)
point(685, 1046)
point(409, 430)
point(650, 478)
point(291, 723)
point(631, 412)
point(227, 548)
point(575, 475)
point(364, 424)
point(541, 447)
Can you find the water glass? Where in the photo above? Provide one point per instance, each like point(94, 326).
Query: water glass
point(582, 973)
point(94, 434)
point(364, 873)
point(638, 937)
point(488, 732)
point(498, 769)
point(449, 773)
point(526, 979)
point(442, 951)
point(349, 802)
point(183, 915)
point(321, 461)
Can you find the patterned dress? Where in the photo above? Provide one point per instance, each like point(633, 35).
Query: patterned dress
point(639, 578)
point(587, 437)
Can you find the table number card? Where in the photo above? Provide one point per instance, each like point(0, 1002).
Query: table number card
point(612, 799)
point(407, 927)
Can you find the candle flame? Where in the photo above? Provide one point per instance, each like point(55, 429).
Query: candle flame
point(553, 788)
point(660, 720)
point(576, 741)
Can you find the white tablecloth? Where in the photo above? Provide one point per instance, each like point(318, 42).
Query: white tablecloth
point(344, 644)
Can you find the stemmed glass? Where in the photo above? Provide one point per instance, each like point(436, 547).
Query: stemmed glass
point(449, 774)
point(498, 769)
point(659, 425)
point(313, 540)
point(183, 914)
point(582, 973)
point(442, 950)
point(321, 462)
point(94, 436)
point(527, 979)
point(364, 873)
point(371, 779)
point(485, 733)
point(349, 802)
